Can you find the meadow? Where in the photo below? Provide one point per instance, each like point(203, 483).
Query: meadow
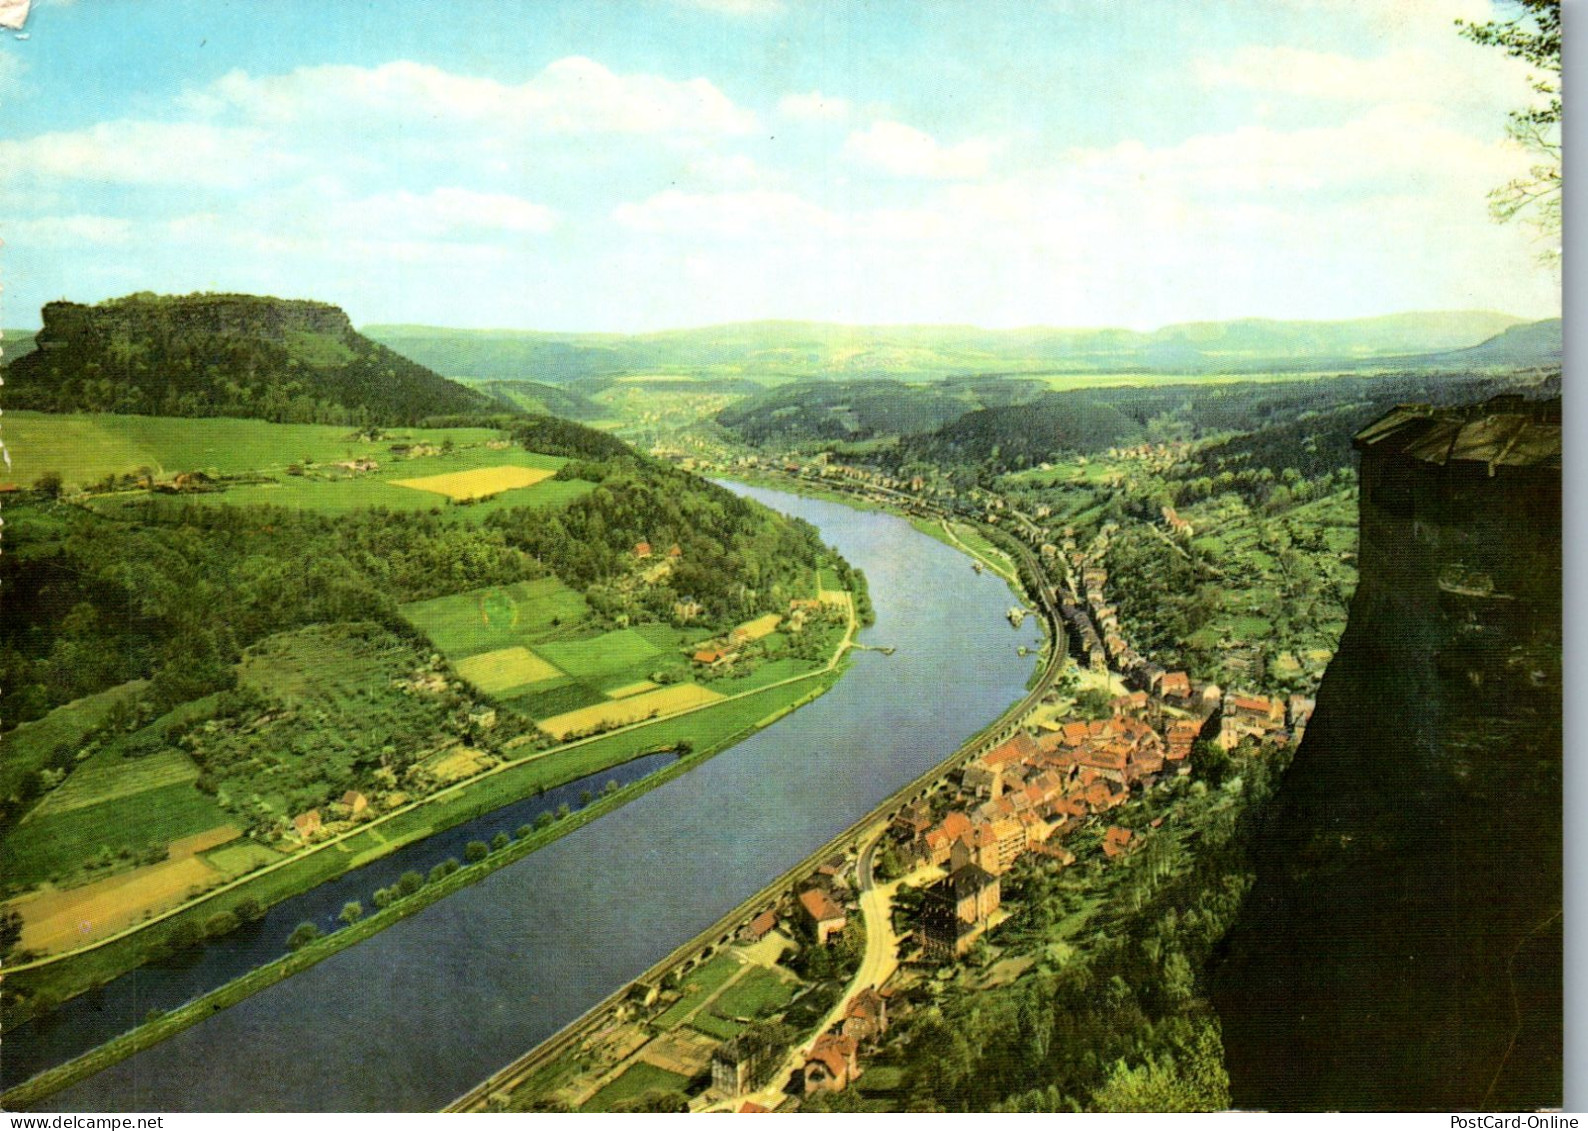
point(83, 448)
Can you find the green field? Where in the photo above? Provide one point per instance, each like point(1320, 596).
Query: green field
point(30, 746)
point(84, 448)
point(698, 985)
point(60, 844)
point(598, 657)
point(759, 993)
point(484, 620)
point(109, 775)
point(637, 1079)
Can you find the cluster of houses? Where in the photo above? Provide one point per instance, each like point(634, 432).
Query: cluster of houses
point(746, 1062)
point(309, 826)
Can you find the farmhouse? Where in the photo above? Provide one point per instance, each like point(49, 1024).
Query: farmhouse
point(831, 1064)
point(355, 802)
point(759, 927)
point(642, 549)
point(306, 824)
point(826, 916)
point(866, 1017)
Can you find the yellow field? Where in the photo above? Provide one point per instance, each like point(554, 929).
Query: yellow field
point(757, 628)
point(631, 689)
point(56, 920)
point(497, 671)
point(454, 764)
point(480, 483)
point(838, 597)
point(667, 701)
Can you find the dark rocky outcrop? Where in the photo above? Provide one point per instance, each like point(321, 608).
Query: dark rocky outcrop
point(1401, 947)
point(225, 355)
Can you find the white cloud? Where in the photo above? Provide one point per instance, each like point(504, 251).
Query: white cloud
point(574, 95)
point(1408, 75)
point(81, 230)
point(814, 107)
point(445, 213)
point(740, 215)
point(905, 151)
point(146, 153)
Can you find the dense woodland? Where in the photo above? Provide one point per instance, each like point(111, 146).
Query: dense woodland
point(806, 411)
point(225, 355)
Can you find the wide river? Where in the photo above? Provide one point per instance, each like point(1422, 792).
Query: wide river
point(416, 1015)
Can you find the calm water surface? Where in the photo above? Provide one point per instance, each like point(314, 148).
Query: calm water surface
point(418, 1014)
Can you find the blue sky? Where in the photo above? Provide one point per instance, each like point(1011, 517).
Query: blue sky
point(605, 165)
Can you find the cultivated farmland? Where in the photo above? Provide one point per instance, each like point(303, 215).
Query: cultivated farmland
point(478, 483)
point(506, 670)
point(620, 712)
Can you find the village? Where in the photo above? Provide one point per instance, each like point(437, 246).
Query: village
point(919, 894)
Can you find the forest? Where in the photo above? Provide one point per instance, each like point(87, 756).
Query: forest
point(226, 355)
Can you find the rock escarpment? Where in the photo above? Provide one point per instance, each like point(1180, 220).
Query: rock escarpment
point(1401, 947)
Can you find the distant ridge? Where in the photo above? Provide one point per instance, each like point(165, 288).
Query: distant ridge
point(807, 349)
point(225, 355)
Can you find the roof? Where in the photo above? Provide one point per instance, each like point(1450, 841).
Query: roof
point(763, 922)
point(819, 905)
point(964, 883)
point(866, 1004)
point(1018, 749)
point(352, 797)
point(1503, 432)
point(833, 1052)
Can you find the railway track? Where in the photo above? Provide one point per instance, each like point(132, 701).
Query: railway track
point(513, 1075)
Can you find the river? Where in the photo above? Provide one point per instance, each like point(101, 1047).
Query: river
point(414, 1016)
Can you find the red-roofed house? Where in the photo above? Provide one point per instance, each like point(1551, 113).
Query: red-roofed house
point(1176, 687)
point(759, 927)
point(642, 549)
point(866, 1017)
point(831, 1064)
point(355, 801)
point(307, 824)
point(1117, 841)
point(826, 916)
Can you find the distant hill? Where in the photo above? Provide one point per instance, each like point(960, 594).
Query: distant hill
point(537, 396)
point(1530, 344)
point(803, 411)
point(816, 349)
point(225, 355)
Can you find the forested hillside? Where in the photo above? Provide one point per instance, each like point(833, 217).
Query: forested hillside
point(225, 355)
point(861, 410)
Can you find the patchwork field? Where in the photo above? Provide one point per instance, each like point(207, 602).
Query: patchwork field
point(621, 712)
point(478, 483)
point(757, 628)
point(600, 656)
point(31, 745)
point(108, 775)
point(485, 620)
point(506, 670)
point(60, 843)
point(84, 448)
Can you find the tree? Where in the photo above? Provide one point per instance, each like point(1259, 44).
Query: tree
point(10, 931)
point(1534, 37)
point(475, 851)
point(500, 841)
point(48, 484)
point(305, 934)
point(352, 912)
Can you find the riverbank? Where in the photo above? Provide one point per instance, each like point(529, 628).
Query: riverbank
point(493, 1093)
point(702, 732)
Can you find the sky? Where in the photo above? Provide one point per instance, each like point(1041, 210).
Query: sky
point(632, 165)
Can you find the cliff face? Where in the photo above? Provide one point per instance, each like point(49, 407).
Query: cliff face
point(1401, 947)
point(224, 355)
